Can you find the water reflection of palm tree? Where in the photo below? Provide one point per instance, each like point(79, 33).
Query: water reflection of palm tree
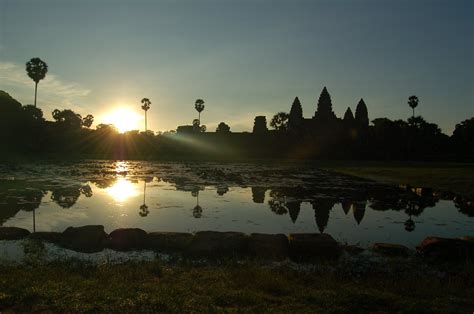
point(144, 208)
point(412, 208)
point(197, 210)
point(410, 225)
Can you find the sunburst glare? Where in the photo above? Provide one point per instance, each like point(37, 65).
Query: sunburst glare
point(124, 119)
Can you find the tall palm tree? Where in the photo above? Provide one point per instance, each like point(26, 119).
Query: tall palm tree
point(413, 103)
point(146, 106)
point(199, 106)
point(36, 69)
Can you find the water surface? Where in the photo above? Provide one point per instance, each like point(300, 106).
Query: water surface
point(249, 198)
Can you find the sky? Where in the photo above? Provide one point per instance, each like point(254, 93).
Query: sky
point(244, 58)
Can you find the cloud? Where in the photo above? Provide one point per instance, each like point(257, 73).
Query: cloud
point(54, 92)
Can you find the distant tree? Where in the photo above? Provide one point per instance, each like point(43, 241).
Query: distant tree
point(361, 114)
point(413, 103)
point(465, 129)
point(132, 133)
point(295, 118)
point(260, 125)
point(199, 106)
point(463, 136)
point(68, 118)
point(280, 121)
point(324, 111)
point(87, 121)
point(146, 106)
point(33, 113)
point(36, 70)
point(197, 127)
point(223, 128)
point(106, 128)
point(417, 122)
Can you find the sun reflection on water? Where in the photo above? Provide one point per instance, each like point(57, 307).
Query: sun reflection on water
point(121, 167)
point(122, 190)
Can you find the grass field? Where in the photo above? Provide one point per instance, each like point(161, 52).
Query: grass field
point(234, 287)
point(455, 177)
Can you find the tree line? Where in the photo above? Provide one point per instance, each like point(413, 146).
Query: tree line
point(24, 130)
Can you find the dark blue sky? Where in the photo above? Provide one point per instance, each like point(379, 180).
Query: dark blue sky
point(242, 57)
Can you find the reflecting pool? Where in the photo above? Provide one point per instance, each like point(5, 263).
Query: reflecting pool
point(222, 197)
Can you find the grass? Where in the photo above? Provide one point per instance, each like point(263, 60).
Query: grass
point(455, 177)
point(228, 287)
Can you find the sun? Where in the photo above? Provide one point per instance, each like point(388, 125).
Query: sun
point(124, 119)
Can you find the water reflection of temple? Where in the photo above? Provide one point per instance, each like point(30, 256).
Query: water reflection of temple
point(222, 189)
point(288, 201)
point(321, 208)
point(258, 194)
point(294, 208)
point(27, 196)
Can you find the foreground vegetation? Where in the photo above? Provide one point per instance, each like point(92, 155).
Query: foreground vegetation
point(246, 287)
point(455, 177)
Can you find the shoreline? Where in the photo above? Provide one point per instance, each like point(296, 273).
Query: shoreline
point(214, 244)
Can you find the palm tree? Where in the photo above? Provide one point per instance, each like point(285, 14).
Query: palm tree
point(413, 103)
point(146, 106)
point(199, 106)
point(36, 69)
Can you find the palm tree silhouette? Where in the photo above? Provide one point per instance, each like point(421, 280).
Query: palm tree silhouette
point(199, 106)
point(413, 103)
point(36, 69)
point(146, 106)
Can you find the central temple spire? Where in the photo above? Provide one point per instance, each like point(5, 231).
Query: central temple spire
point(324, 111)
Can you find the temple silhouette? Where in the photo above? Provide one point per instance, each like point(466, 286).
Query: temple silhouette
point(25, 132)
point(324, 118)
